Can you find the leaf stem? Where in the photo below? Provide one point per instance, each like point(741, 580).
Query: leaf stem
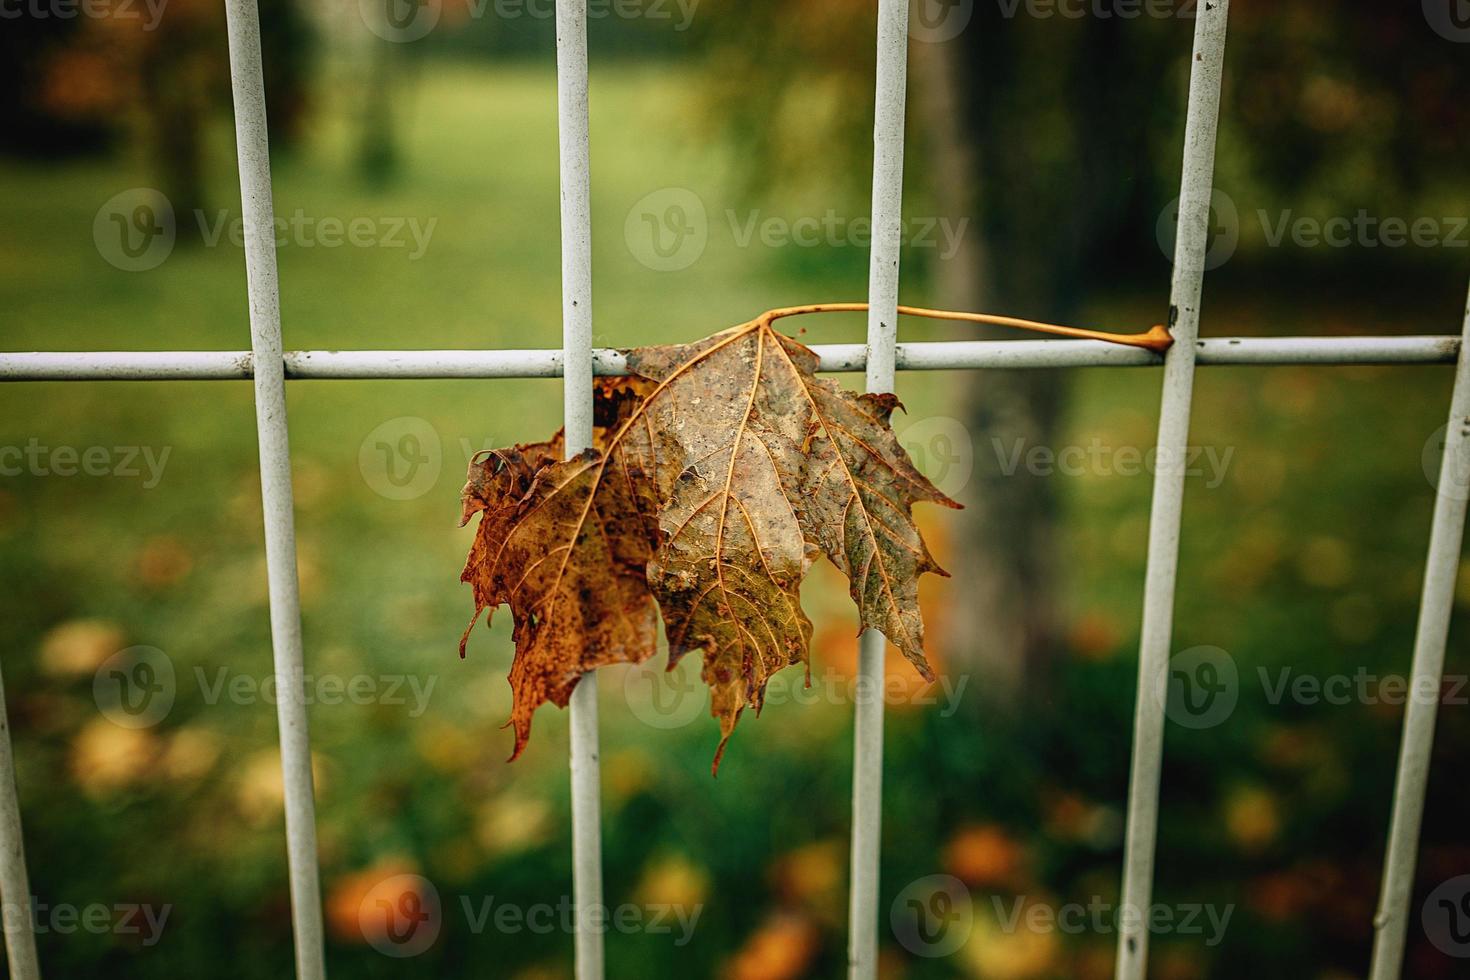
point(1157, 339)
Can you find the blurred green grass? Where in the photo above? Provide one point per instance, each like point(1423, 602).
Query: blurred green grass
point(180, 567)
point(1308, 554)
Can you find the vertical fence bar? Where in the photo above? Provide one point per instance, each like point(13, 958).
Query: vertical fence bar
point(867, 764)
point(15, 887)
point(1446, 538)
point(1206, 67)
point(576, 275)
point(252, 148)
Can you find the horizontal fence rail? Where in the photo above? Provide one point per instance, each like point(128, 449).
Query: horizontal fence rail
point(608, 362)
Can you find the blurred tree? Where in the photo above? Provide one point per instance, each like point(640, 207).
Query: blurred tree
point(154, 75)
point(1058, 134)
point(31, 49)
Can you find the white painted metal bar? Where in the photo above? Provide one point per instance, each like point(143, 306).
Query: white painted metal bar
point(311, 365)
point(573, 120)
point(252, 149)
point(1201, 125)
point(867, 764)
point(1446, 540)
point(15, 888)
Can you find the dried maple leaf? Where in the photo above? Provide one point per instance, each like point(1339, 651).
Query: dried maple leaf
point(765, 464)
point(720, 473)
point(564, 562)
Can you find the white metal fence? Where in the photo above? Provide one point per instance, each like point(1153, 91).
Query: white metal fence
point(577, 362)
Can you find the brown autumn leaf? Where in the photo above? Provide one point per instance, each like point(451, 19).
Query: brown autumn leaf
point(720, 472)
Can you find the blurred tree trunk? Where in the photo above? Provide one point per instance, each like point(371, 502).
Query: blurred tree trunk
point(182, 72)
point(378, 156)
point(176, 108)
point(178, 70)
point(1007, 617)
point(1040, 154)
